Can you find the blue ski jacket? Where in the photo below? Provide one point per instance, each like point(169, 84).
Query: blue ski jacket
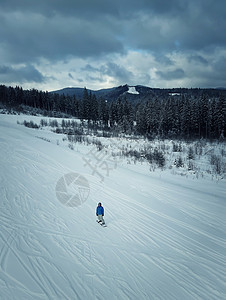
point(100, 210)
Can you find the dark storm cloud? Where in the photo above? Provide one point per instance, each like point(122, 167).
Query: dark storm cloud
point(29, 38)
point(59, 30)
point(89, 28)
point(92, 8)
point(197, 27)
point(22, 74)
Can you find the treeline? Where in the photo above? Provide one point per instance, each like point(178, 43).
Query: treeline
point(181, 116)
point(48, 102)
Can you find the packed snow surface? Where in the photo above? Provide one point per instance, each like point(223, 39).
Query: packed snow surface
point(132, 90)
point(165, 235)
point(174, 94)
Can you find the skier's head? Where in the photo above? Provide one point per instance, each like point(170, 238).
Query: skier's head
point(99, 203)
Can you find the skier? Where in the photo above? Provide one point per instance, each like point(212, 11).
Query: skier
point(100, 213)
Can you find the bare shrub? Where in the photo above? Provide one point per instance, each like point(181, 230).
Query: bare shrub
point(71, 146)
point(177, 147)
point(30, 124)
point(218, 165)
point(53, 123)
point(191, 154)
point(179, 162)
point(43, 122)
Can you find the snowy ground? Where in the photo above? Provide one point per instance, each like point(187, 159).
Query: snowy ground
point(132, 90)
point(165, 237)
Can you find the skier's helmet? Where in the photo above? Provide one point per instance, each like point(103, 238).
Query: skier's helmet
point(99, 203)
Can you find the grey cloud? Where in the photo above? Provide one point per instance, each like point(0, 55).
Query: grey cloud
point(111, 69)
point(220, 67)
point(57, 31)
point(171, 75)
point(118, 73)
point(93, 8)
point(198, 59)
point(4, 70)
point(94, 78)
point(207, 80)
point(89, 28)
point(114, 70)
point(90, 68)
point(70, 76)
point(66, 8)
point(34, 37)
point(193, 25)
point(23, 74)
point(162, 59)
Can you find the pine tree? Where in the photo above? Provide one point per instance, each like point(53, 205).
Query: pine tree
point(103, 112)
point(220, 117)
point(113, 114)
point(186, 118)
point(94, 108)
point(141, 124)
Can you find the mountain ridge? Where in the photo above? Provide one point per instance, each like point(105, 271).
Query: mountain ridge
point(135, 93)
point(109, 93)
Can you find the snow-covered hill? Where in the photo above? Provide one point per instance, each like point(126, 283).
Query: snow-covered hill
point(165, 235)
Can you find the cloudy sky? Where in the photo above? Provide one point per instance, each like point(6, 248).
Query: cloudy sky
point(51, 44)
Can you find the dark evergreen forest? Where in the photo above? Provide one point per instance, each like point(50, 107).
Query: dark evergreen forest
point(187, 115)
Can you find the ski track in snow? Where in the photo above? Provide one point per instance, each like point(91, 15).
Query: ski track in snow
point(165, 239)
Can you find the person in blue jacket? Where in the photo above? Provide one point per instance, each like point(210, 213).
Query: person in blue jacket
point(100, 213)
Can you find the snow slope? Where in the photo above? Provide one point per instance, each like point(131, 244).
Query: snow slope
point(165, 237)
point(132, 90)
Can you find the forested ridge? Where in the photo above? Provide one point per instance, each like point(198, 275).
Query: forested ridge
point(188, 114)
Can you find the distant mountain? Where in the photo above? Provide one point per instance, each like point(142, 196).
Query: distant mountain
point(70, 91)
point(138, 93)
point(220, 88)
point(133, 93)
point(78, 92)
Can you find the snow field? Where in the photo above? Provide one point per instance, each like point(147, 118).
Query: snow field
point(165, 237)
point(132, 90)
point(190, 159)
